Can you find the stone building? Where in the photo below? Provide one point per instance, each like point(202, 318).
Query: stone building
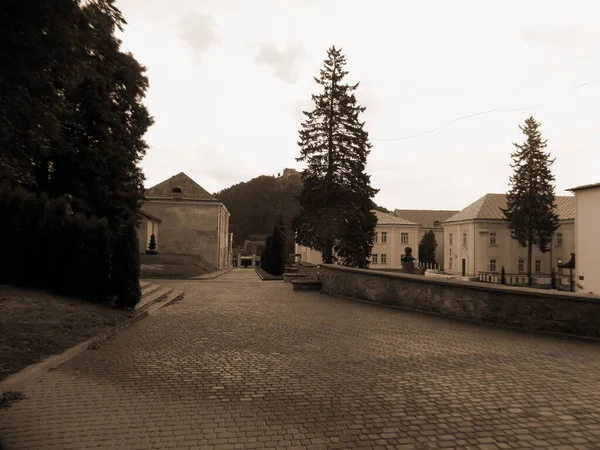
point(587, 247)
point(477, 240)
point(192, 221)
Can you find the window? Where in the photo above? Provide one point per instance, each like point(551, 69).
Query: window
point(383, 238)
point(521, 265)
point(450, 263)
point(492, 265)
point(450, 239)
point(383, 258)
point(493, 237)
point(177, 190)
point(538, 265)
point(558, 239)
point(404, 238)
point(464, 238)
point(374, 258)
point(375, 238)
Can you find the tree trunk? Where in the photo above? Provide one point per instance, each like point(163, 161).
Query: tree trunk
point(529, 254)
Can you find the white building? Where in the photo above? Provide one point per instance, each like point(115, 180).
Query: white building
point(587, 247)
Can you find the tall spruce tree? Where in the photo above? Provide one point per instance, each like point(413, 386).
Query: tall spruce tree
point(427, 248)
point(336, 194)
point(531, 210)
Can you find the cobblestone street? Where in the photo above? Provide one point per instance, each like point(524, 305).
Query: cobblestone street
point(240, 364)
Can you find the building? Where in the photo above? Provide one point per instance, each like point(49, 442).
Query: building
point(477, 240)
point(587, 247)
point(429, 220)
point(192, 221)
point(392, 235)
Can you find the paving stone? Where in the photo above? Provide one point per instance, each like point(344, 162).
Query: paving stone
point(241, 364)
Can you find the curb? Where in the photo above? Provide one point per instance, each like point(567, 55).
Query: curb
point(36, 370)
point(207, 277)
point(267, 279)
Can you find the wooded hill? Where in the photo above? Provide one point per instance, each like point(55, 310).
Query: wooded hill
point(258, 204)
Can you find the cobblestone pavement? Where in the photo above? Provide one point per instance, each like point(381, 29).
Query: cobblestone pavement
point(241, 364)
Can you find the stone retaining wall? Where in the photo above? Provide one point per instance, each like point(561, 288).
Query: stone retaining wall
point(310, 270)
point(541, 310)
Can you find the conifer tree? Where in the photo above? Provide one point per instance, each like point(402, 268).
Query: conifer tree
point(531, 210)
point(336, 195)
point(427, 248)
point(152, 245)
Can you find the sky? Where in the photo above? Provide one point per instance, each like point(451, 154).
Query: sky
point(229, 80)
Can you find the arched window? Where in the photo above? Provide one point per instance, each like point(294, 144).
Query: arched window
point(436, 223)
point(177, 190)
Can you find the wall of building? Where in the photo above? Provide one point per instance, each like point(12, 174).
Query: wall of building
point(187, 228)
point(507, 252)
point(393, 248)
point(533, 309)
point(309, 255)
point(145, 230)
point(587, 256)
point(223, 242)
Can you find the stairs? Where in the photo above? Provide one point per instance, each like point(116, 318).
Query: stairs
point(153, 294)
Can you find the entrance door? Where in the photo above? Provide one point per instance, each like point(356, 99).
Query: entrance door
point(464, 267)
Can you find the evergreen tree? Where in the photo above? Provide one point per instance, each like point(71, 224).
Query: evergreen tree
point(503, 276)
point(125, 265)
point(531, 210)
point(152, 244)
point(278, 251)
point(427, 248)
point(266, 262)
point(336, 194)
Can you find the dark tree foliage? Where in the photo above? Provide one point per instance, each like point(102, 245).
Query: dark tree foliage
point(257, 204)
point(265, 262)
point(152, 244)
point(278, 251)
point(126, 267)
point(427, 248)
point(531, 210)
point(336, 195)
point(72, 119)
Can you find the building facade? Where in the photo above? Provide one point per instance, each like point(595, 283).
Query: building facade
point(429, 220)
point(477, 240)
point(192, 221)
point(392, 236)
point(587, 247)
point(148, 226)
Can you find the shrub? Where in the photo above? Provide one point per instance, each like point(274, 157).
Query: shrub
point(125, 267)
point(152, 246)
point(553, 279)
point(503, 276)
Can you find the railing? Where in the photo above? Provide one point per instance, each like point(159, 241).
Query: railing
point(540, 280)
point(429, 266)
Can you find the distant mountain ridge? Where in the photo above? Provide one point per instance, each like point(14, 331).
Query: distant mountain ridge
point(257, 205)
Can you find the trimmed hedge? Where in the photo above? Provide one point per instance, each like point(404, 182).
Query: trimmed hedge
point(46, 245)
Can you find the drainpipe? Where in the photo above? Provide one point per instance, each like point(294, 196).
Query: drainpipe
point(219, 239)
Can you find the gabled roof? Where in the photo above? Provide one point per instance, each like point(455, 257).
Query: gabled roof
point(189, 189)
point(585, 186)
point(390, 219)
point(148, 216)
point(489, 207)
point(425, 217)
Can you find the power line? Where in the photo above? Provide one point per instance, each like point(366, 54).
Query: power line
point(482, 113)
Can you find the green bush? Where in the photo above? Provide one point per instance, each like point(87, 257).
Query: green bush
point(152, 246)
point(503, 276)
point(125, 267)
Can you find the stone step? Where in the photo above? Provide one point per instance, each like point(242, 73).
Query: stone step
point(291, 269)
point(149, 289)
point(288, 277)
point(172, 296)
point(306, 285)
point(153, 296)
point(144, 284)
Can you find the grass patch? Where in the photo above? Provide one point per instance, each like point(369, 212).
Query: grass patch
point(266, 276)
point(36, 325)
point(173, 266)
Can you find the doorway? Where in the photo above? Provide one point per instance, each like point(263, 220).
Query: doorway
point(464, 267)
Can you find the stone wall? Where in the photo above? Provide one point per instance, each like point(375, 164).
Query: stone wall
point(540, 310)
point(310, 270)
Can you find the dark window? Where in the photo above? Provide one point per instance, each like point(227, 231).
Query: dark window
point(177, 190)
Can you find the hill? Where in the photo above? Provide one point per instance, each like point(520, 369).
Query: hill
point(256, 205)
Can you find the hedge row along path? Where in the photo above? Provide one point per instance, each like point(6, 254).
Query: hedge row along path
point(240, 363)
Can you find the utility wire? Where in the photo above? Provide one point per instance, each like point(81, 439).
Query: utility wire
point(482, 113)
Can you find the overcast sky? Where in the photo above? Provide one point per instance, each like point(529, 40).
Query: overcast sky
point(229, 79)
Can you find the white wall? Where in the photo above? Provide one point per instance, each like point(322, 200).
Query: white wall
point(587, 255)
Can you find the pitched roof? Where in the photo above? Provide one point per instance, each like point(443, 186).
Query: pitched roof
point(390, 219)
point(148, 215)
point(425, 217)
point(489, 207)
point(585, 186)
point(189, 189)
